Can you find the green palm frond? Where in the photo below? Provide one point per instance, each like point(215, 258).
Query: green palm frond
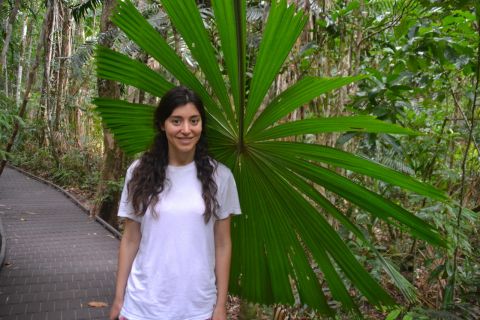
point(321, 125)
point(131, 123)
point(115, 66)
point(81, 9)
point(283, 234)
point(300, 93)
point(283, 26)
point(230, 19)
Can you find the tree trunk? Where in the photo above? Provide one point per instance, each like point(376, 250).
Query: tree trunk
point(106, 205)
point(30, 82)
point(5, 71)
point(46, 97)
point(27, 25)
point(64, 52)
point(8, 35)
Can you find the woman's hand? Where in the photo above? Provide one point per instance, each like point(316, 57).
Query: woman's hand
point(115, 310)
point(220, 313)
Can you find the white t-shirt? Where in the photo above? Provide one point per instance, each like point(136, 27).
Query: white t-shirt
point(172, 275)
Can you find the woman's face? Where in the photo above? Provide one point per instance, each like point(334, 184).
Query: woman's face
point(183, 129)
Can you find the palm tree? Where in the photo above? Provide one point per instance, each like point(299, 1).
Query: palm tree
point(283, 233)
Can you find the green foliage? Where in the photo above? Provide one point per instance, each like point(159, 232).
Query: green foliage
point(77, 167)
point(281, 234)
point(81, 9)
point(8, 115)
point(112, 188)
point(424, 81)
point(460, 312)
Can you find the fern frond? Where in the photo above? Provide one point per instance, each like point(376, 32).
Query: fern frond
point(80, 10)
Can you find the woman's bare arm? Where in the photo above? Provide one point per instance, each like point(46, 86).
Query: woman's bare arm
point(126, 254)
point(223, 253)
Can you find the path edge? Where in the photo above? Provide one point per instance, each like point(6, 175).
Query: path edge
point(3, 244)
point(71, 197)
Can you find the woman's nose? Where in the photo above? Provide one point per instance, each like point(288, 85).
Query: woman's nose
point(186, 127)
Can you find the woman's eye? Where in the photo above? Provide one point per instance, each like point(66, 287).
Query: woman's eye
point(195, 121)
point(176, 121)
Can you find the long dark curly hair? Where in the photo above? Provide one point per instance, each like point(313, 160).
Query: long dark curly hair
point(148, 177)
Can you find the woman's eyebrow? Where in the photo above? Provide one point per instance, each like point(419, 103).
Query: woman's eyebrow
point(180, 117)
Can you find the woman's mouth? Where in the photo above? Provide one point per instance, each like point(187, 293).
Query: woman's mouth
point(185, 140)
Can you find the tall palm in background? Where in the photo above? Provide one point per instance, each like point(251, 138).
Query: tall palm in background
point(283, 234)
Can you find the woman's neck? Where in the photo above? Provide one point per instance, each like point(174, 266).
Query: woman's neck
point(177, 160)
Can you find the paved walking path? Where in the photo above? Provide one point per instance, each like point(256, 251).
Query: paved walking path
point(57, 260)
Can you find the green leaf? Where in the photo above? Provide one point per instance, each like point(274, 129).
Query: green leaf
point(282, 29)
point(186, 18)
point(231, 25)
point(321, 125)
point(115, 66)
point(337, 287)
point(80, 10)
point(295, 96)
point(380, 207)
point(249, 229)
point(449, 292)
point(365, 199)
point(342, 159)
point(131, 124)
point(394, 314)
point(408, 290)
point(339, 292)
point(315, 231)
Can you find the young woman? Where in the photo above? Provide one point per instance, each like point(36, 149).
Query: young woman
point(174, 257)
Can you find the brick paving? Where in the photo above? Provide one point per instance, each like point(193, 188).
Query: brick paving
point(57, 258)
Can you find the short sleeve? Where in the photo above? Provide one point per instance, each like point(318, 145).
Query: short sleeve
point(125, 207)
point(227, 195)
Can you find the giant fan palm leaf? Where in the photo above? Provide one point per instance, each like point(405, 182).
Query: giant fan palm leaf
point(283, 234)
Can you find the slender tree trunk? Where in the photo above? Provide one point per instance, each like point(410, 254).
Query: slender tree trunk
point(74, 89)
point(42, 114)
point(8, 34)
point(27, 25)
point(31, 79)
point(46, 98)
point(107, 204)
point(5, 71)
point(64, 52)
point(29, 61)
